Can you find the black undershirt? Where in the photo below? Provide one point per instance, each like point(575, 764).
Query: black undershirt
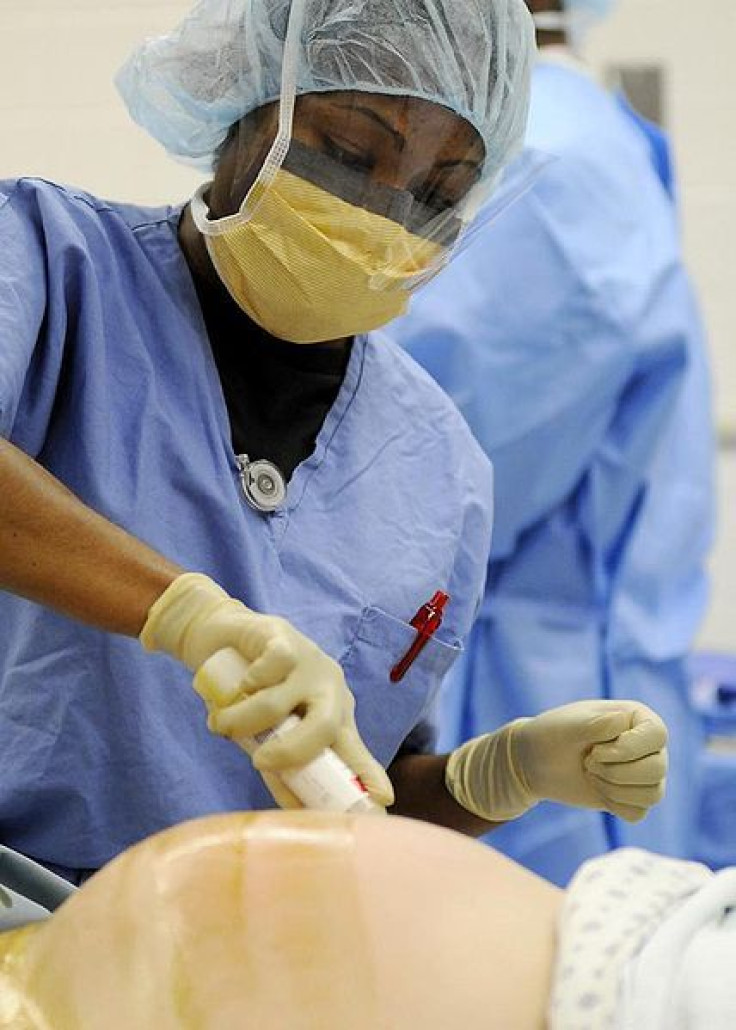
point(277, 394)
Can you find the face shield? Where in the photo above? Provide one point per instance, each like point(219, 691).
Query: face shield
point(389, 179)
point(370, 129)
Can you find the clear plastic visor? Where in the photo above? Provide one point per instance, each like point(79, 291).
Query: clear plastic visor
point(397, 172)
point(388, 176)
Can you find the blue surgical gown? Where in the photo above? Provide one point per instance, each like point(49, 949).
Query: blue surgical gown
point(660, 149)
point(108, 380)
point(568, 335)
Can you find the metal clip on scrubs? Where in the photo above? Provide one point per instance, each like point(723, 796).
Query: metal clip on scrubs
point(264, 485)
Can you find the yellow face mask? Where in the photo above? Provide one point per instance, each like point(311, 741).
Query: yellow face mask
point(309, 267)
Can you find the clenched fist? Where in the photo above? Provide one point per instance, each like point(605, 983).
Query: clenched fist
point(606, 755)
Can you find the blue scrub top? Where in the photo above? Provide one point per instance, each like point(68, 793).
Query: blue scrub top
point(108, 380)
point(568, 335)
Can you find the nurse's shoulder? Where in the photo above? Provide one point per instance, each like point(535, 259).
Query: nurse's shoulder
point(60, 214)
point(428, 418)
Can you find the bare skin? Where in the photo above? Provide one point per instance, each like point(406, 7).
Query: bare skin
point(419, 786)
point(298, 920)
point(59, 553)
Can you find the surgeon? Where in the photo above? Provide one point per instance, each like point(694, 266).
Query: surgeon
point(568, 335)
point(205, 446)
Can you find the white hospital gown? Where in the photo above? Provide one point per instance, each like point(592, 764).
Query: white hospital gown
point(684, 978)
point(614, 906)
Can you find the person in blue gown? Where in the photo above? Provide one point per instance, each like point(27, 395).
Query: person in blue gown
point(207, 443)
point(569, 336)
point(659, 145)
point(192, 457)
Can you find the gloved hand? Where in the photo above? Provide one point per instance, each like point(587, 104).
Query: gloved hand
point(607, 755)
point(194, 618)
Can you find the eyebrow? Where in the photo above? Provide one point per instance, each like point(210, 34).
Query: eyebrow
point(474, 166)
point(398, 137)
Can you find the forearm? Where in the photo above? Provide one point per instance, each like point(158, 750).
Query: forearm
point(58, 552)
point(419, 785)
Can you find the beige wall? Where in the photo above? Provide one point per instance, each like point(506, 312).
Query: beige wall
point(694, 42)
point(60, 117)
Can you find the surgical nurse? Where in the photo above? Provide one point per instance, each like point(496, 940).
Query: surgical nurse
point(205, 444)
point(568, 334)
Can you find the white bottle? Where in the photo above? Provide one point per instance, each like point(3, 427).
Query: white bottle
point(326, 784)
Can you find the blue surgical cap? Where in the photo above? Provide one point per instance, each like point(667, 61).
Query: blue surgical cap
point(226, 59)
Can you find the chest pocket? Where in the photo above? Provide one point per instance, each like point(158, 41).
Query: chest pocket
point(387, 712)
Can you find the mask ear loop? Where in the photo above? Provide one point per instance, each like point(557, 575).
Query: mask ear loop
point(280, 146)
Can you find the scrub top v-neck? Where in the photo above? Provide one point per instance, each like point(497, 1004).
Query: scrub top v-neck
point(278, 394)
point(108, 379)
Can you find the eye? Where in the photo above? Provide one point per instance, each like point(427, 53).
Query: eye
point(348, 157)
point(435, 198)
point(446, 188)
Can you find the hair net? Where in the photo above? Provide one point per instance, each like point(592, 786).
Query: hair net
point(230, 57)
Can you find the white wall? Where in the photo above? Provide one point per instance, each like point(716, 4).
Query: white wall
point(60, 117)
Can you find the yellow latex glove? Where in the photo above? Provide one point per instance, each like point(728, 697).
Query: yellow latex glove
point(194, 618)
point(606, 755)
